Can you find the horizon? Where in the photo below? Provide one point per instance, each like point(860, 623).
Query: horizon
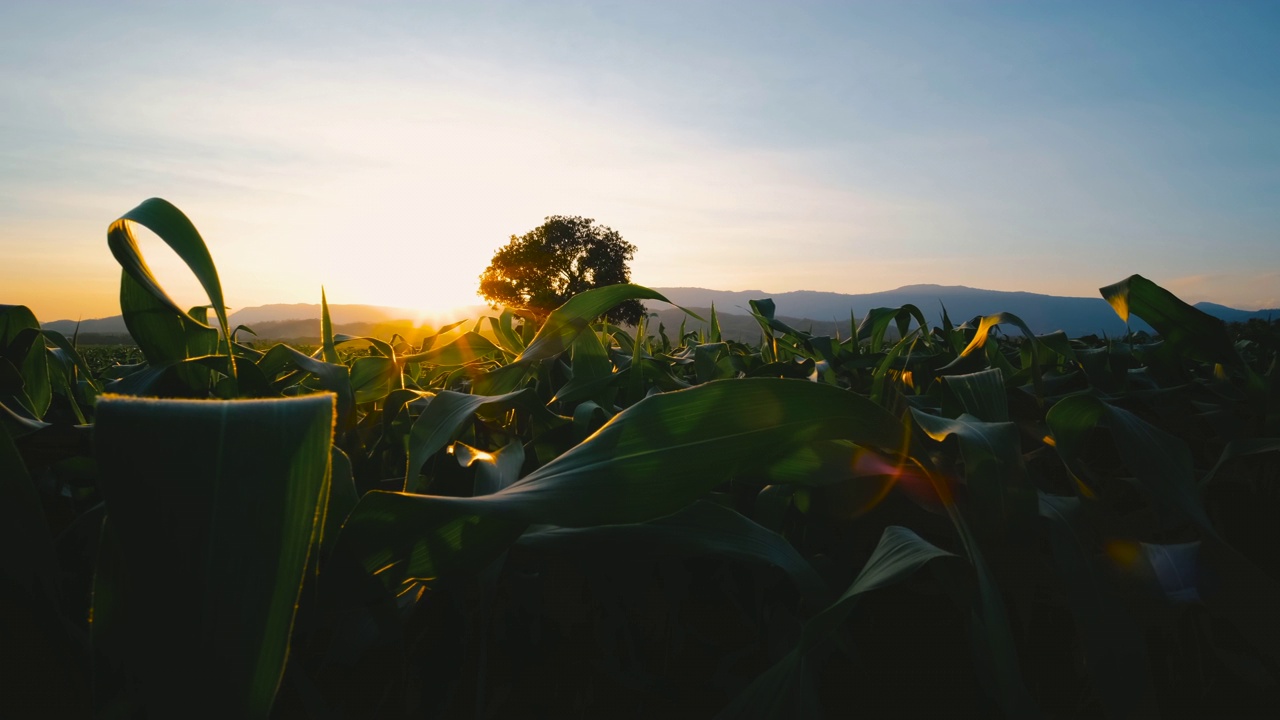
point(418, 314)
point(462, 312)
point(1053, 148)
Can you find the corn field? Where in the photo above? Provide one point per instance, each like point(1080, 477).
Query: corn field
point(583, 520)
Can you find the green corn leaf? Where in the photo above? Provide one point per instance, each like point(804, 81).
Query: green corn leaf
point(652, 459)
point(1004, 503)
point(62, 379)
point(567, 321)
point(669, 449)
point(163, 381)
point(327, 349)
point(593, 372)
point(1001, 497)
point(1161, 462)
point(468, 348)
point(1173, 570)
point(637, 376)
point(334, 378)
point(763, 311)
point(206, 542)
point(145, 318)
point(506, 334)
point(159, 332)
point(430, 341)
point(373, 378)
point(706, 361)
point(587, 418)
point(1241, 448)
point(703, 528)
point(38, 652)
point(383, 347)
point(1193, 332)
point(66, 346)
point(781, 691)
point(21, 344)
point(445, 416)
point(494, 471)
point(343, 497)
point(1115, 649)
point(815, 464)
point(19, 423)
point(876, 324)
point(176, 230)
point(501, 380)
point(30, 561)
point(590, 360)
point(981, 394)
point(1059, 343)
point(400, 538)
point(880, 378)
point(971, 358)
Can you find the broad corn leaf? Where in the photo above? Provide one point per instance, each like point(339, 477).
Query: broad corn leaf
point(207, 538)
point(781, 691)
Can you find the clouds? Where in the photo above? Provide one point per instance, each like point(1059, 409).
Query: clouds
point(387, 150)
point(1246, 290)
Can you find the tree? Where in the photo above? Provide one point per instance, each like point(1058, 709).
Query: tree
point(564, 256)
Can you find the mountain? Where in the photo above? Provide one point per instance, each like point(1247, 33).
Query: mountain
point(824, 312)
point(113, 325)
point(1043, 313)
point(1230, 314)
point(280, 312)
point(348, 314)
point(287, 320)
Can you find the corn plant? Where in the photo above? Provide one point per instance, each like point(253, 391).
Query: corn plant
point(511, 518)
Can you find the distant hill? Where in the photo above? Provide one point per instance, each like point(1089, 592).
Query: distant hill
point(1043, 313)
point(1230, 314)
point(824, 312)
point(291, 321)
point(342, 314)
point(278, 312)
point(113, 325)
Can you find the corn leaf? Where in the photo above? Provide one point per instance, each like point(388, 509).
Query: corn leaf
point(1191, 331)
point(373, 378)
point(468, 348)
point(981, 394)
point(445, 416)
point(207, 537)
point(151, 315)
point(1161, 462)
point(495, 470)
point(567, 321)
point(21, 344)
point(780, 692)
point(703, 528)
point(1114, 647)
point(876, 324)
point(1003, 501)
point(327, 349)
point(652, 459)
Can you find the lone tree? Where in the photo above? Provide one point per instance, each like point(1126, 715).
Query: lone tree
point(564, 256)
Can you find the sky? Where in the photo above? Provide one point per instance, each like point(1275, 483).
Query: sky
point(385, 150)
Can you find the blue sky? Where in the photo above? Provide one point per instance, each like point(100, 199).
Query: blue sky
point(387, 150)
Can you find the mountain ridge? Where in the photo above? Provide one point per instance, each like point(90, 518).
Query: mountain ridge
point(1076, 316)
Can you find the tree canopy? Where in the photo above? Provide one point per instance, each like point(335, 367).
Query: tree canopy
point(566, 255)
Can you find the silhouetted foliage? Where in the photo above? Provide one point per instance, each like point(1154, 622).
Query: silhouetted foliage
point(566, 255)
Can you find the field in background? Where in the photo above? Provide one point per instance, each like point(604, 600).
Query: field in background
point(897, 516)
